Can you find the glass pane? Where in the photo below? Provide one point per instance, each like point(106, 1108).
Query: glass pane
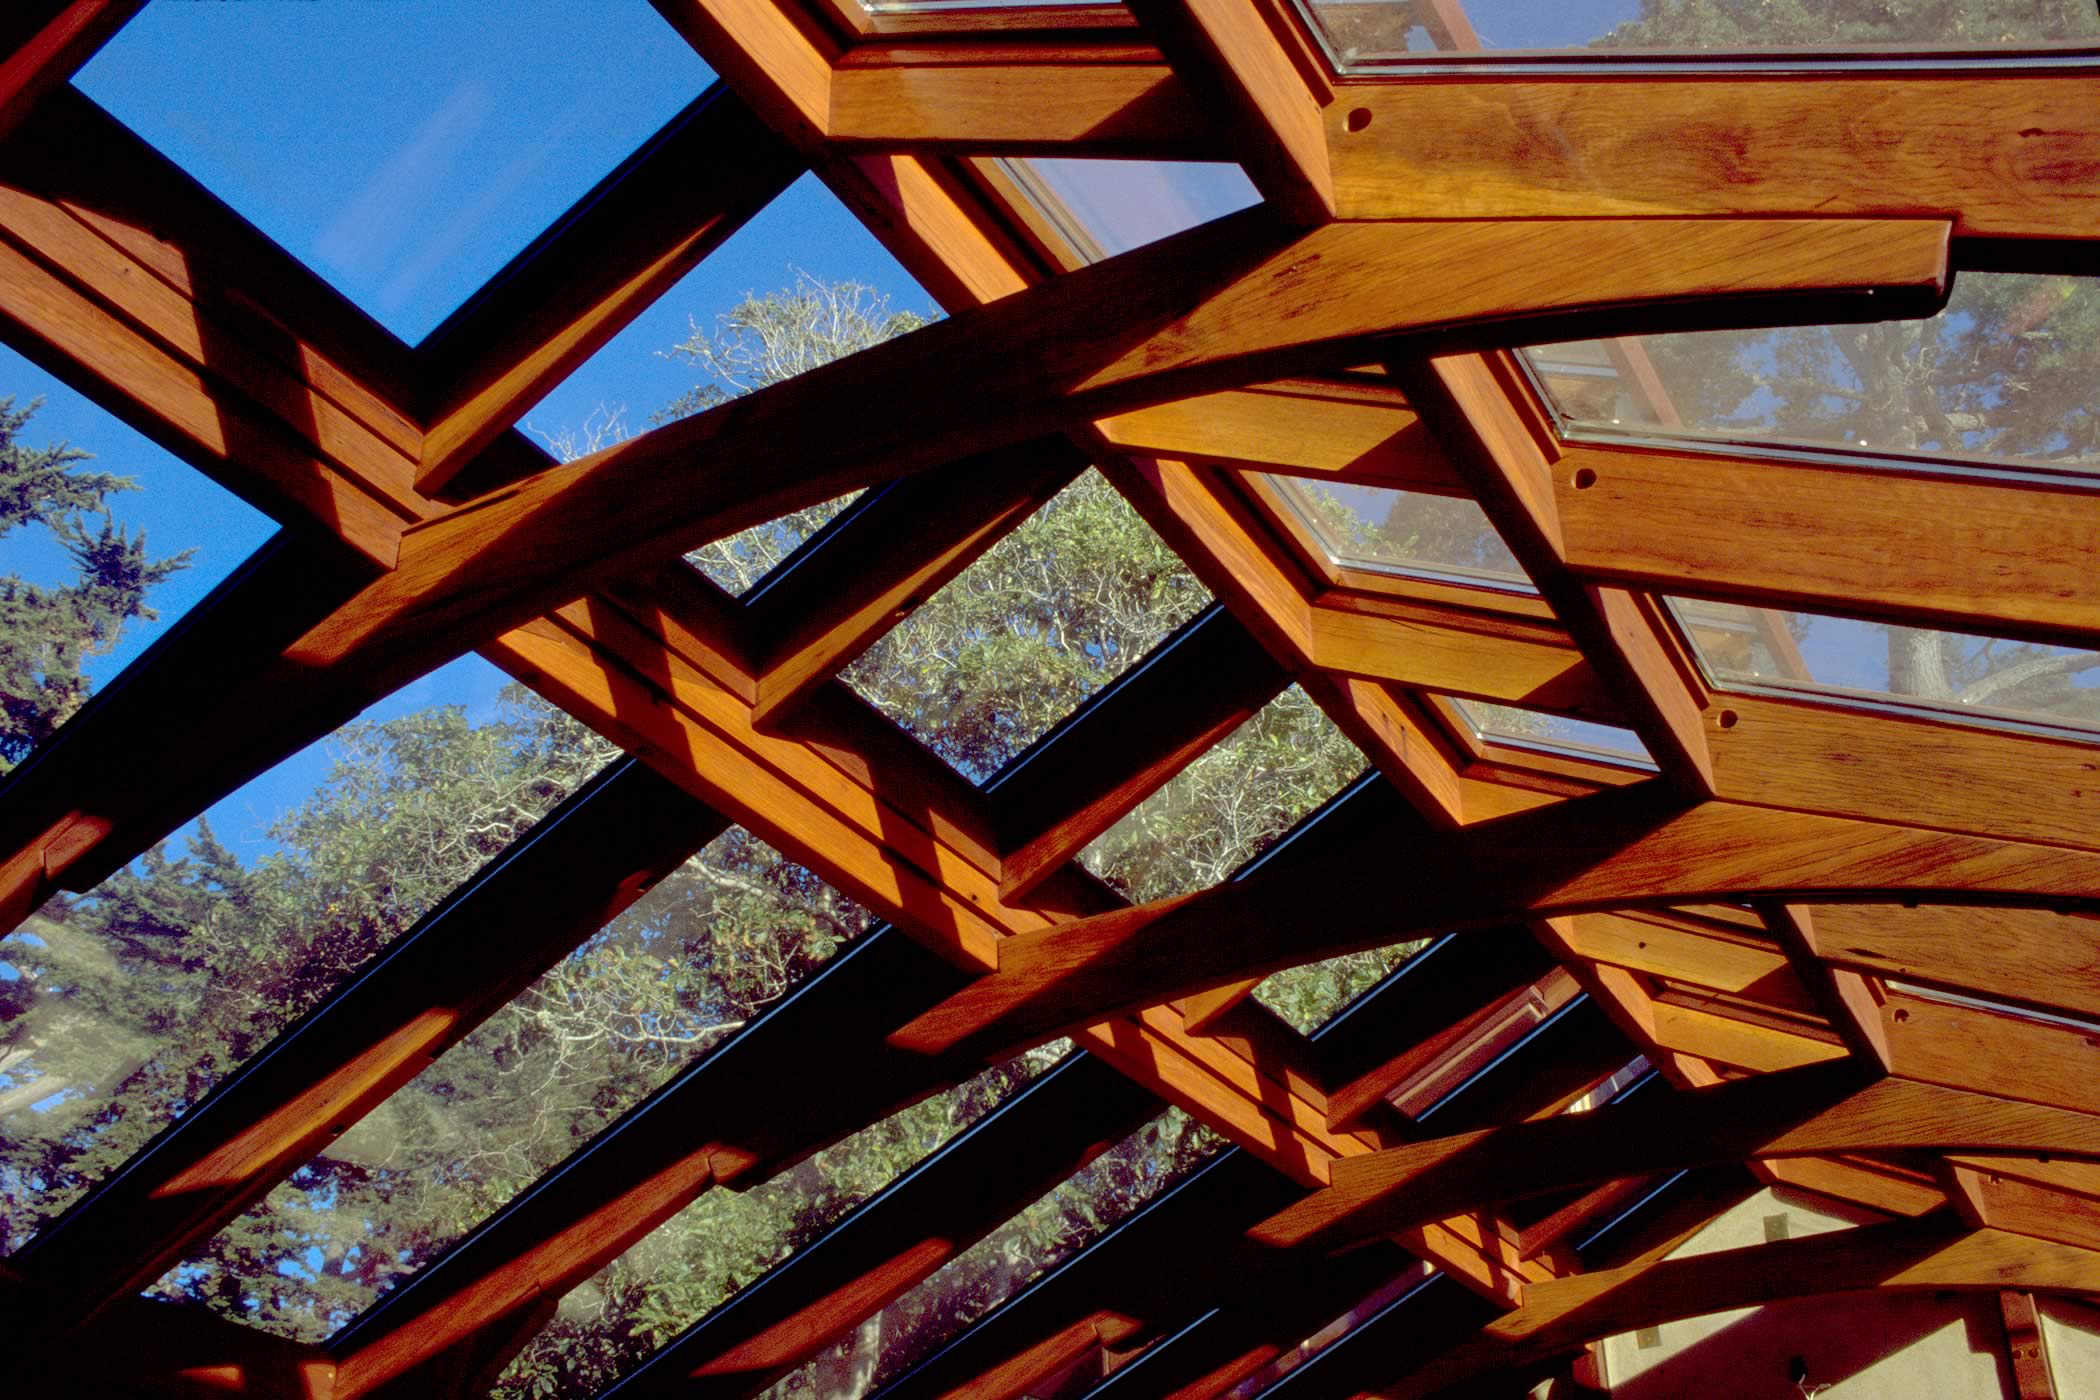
point(2004, 376)
point(1372, 32)
point(412, 173)
point(1221, 812)
point(1106, 207)
point(1086, 1206)
point(699, 1258)
point(1534, 729)
point(1844, 658)
point(105, 540)
point(121, 1008)
point(1056, 610)
point(708, 948)
point(711, 338)
point(1404, 532)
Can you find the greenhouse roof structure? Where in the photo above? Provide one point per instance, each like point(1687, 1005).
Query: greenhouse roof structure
point(1669, 456)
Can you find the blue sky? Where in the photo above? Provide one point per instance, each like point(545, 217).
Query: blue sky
point(405, 180)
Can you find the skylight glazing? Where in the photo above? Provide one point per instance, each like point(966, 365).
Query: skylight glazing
point(105, 541)
point(1065, 603)
point(1371, 35)
point(1106, 207)
point(1876, 663)
point(2004, 377)
point(708, 948)
point(725, 1240)
point(1084, 1207)
point(1404, 532)
point(1535, 729)
point(124, 1006)
point(411, 174)
point(830, 290)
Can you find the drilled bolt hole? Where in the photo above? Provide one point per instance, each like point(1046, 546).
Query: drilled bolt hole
point(1585, 478)
point(1727, 719)
point(1359, 118)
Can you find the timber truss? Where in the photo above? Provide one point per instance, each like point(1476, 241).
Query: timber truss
point(1736, 915)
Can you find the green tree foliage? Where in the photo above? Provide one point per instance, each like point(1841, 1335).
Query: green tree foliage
point(48, 634)
point(132, 1002)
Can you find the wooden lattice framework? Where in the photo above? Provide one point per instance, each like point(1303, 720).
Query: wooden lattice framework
point(1734, 916)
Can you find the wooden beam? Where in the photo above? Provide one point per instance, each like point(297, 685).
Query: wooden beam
point(167, 1351)
point(644, 226)
point(1925, 1256)
point(1905, 546)
point(720, 1119)
point(2030, 955)
point(46, 42)
point(77, 809)
point(891, 550)
point(2026, 1348)
point(1635, 846)
point(563, 880)
point(1192, 691)
point(1231, 52)
point(1848, 1003)
point(1324, 430)
point(1227, 301)
point(929, 1216)
point(1804, 1112)
point(1112, 97)
point(1993, 1052)
point(1504, 446)
point(1994, 150)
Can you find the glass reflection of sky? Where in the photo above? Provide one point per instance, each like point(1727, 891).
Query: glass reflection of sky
point(1125, 204)
point(402, 150)
point(1534, 727)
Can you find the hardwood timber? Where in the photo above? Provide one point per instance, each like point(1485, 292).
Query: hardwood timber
point(2030, 955)
point(892, 550)
point(45, 41)
point(1637, 845)
point(931, 1214)
point(566, 878)
point(76, 809)
point(601, 264)
point(1994, 1201)
point(1991, 1052)
point(1666, 944)
point(1192, 691)
point(1902, 544)
point(1849, 1003)
point(1928, 771)
point(782, 68)
point(1801, 1112)
point(2010, 152)
point(1500, 445)
point(1295, 428)
point(167, 1351)
point(1205, 305)
point(1923, 1256)
point(2026, 1348)
point(1230, 53)
point(1452, 651)
point(1098, 100)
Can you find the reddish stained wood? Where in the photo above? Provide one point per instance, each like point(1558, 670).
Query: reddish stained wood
point(885, 557)
point(1229, 53)
point(1903, 545)
point(45, 41)
point(1821, 1109)
point(2029, 954)
point(1923, 1256)
point(2026, 1348)
point(2011, 153)
point(1164, 712)
point(558, 884)
point(1115, 100)
point(1310, 428)
point(1635, 846)
point(621, 246)
point(1230, 300)
point(1991, 1052)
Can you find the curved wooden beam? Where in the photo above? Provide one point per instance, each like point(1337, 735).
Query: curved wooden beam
point(1235, 301)
point(1632, 847)
point(1821, 1109)
point(1932, 1255)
